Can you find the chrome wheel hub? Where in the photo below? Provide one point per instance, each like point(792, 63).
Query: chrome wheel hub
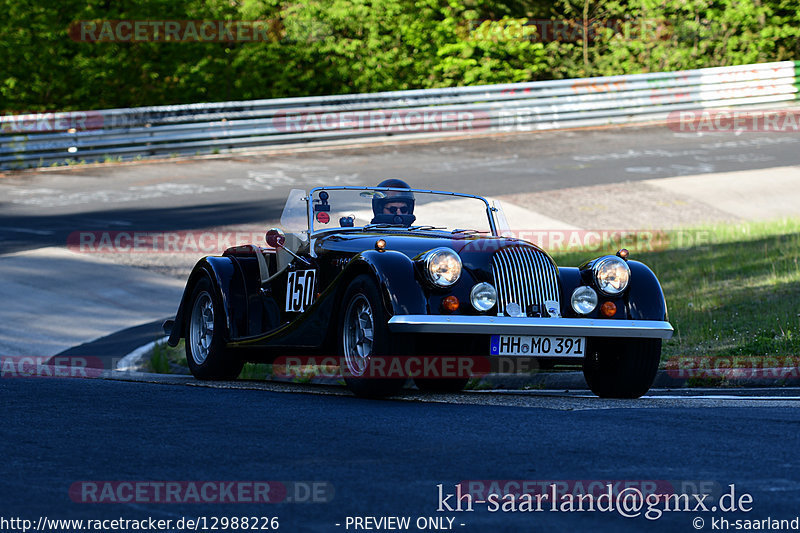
point(201, 327)
point(358, 335)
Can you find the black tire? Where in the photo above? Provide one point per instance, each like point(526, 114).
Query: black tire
point(358, 361)
point(622, 368)
point(441, 385)
point(217, 363)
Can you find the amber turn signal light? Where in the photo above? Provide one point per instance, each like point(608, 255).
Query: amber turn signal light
point(608, 309)
point(450, 303)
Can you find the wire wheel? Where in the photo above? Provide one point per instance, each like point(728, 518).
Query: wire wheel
point(358, 335)
point(201, 327)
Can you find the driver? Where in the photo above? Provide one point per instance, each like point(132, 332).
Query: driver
point(397, 207)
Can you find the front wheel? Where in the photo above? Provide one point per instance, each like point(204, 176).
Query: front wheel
point(365, 342)
point(622, 368)
point(205, 342)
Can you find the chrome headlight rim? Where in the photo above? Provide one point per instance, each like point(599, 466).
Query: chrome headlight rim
point(603, 287)
point(587, 290)
point(473, 296)
point(437, 253)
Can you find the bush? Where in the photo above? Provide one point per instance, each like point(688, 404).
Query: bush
point(349, 46)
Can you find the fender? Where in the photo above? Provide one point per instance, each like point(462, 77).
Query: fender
point(223, 276)
point(395, 274)
point(645, 297)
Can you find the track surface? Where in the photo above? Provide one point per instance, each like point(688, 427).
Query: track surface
point(42, 209)
point(383, 457)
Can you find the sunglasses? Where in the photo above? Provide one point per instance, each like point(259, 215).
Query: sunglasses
point(393, 209)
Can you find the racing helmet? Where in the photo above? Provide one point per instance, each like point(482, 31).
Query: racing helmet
point(406, 197)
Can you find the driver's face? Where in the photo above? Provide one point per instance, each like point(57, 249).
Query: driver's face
point(396, 208)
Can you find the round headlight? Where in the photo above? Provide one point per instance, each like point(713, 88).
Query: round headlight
point(483, 296)
point(443, 266)
point(612, 275)
point(584, 300)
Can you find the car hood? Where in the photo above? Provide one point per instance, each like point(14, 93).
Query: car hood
point(472, 248)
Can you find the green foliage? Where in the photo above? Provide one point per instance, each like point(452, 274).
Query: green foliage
point(159, 363)
point(256, 371)
point(348, 46)
point(481, 57)
point(478, 384)
point(166, 360)
point(668, 35)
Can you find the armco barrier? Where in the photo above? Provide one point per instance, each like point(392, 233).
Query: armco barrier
point(44, 139)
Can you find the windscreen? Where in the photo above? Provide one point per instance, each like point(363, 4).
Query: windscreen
point(397, 208)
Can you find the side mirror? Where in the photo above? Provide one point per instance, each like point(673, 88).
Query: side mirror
point(276, 238)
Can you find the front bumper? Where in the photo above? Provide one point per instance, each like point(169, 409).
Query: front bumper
point(504, 325)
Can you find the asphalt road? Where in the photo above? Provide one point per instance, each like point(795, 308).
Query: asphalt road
point(42, 208)
point(383, 458)
point(380, 457)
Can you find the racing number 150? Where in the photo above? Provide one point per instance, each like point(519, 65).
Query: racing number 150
point(299, 290)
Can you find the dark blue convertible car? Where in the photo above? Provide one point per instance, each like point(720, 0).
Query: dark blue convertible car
point(369, 273)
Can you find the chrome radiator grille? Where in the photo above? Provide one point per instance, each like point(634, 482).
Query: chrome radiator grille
point(524, 275)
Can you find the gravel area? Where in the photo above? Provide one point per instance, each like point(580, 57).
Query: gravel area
point(172, 265)
point(628, 206)
point(195, 244)
point(631, 205)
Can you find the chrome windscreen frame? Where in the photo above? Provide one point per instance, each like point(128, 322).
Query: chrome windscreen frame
point(489, 209)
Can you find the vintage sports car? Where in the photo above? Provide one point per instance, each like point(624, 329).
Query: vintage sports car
point(371, 273)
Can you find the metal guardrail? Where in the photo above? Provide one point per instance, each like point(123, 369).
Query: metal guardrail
point(44, 139)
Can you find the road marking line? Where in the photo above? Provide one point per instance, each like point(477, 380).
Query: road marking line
point(725, 397)
point(26, 230)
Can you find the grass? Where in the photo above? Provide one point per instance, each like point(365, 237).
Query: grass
point(735, 294)
point(165, 357)
point(258, 372)
point(478, 384)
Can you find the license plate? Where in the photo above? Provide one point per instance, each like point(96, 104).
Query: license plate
point(538, 346)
